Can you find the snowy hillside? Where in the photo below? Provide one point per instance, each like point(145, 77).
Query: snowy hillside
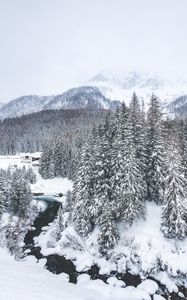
point(81, 97)
point(24, 105)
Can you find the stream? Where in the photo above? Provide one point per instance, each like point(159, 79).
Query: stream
point(59, 264)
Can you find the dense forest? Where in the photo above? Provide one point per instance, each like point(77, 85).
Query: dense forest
point(31, 132)
point(128, 159)
point(119, 162)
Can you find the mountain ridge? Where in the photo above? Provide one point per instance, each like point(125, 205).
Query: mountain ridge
point(106, 90)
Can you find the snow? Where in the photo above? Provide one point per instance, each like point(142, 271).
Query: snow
point(120, 85)
point(158, 297)
point(29, 280)
point(142, 250)
point(115, 282)
point(149, 286)
point(51, 186)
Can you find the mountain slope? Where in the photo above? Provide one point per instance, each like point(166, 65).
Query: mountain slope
point(24, 105)
point(105, 91)
point(121, 85)
point(178, 107)
point(81, 97)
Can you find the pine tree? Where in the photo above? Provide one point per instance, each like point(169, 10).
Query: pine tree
point(155, 153)
point(68, 205)
point(14, 237)
point(174, 214)
point(3, 194)
point(59, 224)
point(82, 214)
point(137, 119)
point(108, 233)
point(47, 162)
point(182, 132)
point(30, 176)
point(128, 184)
point(103, 167)
point(20, 196)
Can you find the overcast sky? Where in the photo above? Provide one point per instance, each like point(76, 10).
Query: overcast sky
point(47, 46)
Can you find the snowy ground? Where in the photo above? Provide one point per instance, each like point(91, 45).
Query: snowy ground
point(51, 186)
point(142, 250)
point(48, 187)
point(28, 280)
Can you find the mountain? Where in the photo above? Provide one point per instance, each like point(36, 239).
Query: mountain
point(24, 105)
point(178, 107)
point(81, 97)
point(121, 85)
point(105, 91)
point(87, 97)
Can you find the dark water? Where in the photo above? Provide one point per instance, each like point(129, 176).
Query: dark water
point(59, 264)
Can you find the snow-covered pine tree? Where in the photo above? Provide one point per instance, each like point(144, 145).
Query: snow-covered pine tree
point(68, 205)
point(30, 175)
point(133, 187)
point(47, 162)
point(3, 193)
point(103, 167)
point(83, 210)
point(118, 155)
point(155, 152)
point(137, 118)
point(128, 185)
point(58, 224)
point(20, 196)
point(182, 132)
point(108, 232)
point(174, 213)
point(14, 237)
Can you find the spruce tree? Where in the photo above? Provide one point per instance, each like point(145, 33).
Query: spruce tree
point(20, 196)
point(30, 176)
point(3, 193)
point(174, 214)
point(155, 153)
point(108, 232)
point(137, 119)
point(82, 215)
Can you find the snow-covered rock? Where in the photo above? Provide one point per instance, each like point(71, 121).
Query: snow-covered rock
point(115, 282)
point(149, 286)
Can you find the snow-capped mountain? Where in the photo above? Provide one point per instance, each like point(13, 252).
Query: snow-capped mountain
point(121, 85)
point(24, 105)
point(81, 97)
point(106, 90)
point(177, 107)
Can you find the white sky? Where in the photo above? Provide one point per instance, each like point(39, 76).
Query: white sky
point(47, 46)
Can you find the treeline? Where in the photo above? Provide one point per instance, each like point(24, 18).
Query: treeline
point(127, 160)
point(16, 204)
point(31, 132)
